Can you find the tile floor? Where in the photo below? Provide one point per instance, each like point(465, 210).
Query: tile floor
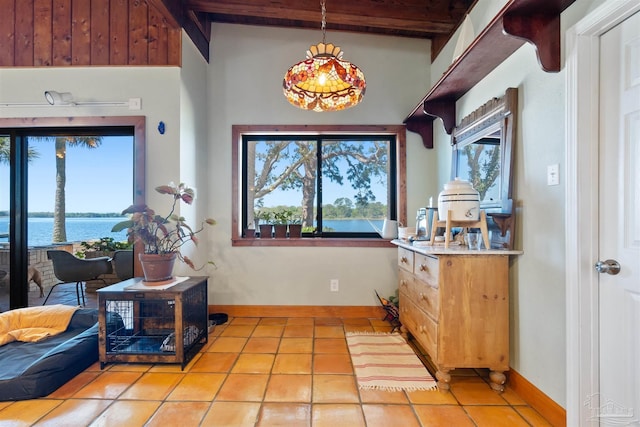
point(264, 372)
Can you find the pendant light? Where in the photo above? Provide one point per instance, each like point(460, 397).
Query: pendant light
point(324, 81)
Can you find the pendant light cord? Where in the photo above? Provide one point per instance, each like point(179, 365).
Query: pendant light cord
point(324, 20)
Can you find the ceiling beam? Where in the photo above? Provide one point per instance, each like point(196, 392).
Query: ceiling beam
point(411, 18)
point(170, 9)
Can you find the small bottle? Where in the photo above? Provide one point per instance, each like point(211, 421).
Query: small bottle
point(421, 223)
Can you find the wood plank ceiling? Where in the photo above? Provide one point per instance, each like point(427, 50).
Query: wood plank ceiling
point(44, 33)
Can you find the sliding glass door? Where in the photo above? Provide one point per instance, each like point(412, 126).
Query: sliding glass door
point(60, 187)
point(5, 202)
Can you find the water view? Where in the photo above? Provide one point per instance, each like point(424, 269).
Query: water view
point(40, 230)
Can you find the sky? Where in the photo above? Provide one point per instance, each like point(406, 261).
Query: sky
point(98, 180)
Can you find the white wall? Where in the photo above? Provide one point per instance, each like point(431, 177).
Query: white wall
point(538, 342)
point(245, 87)
point(194, 143)
point(158, 87)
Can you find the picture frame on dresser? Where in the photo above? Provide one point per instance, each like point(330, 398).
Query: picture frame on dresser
point(483, 146)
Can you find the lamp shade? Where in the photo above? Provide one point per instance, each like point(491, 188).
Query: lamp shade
point(324, 81)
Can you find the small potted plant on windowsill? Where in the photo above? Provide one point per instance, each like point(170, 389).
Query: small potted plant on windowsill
point(295, 227)
point(250, 232)
point(162, 236)
point(281, 220)
point(263, 219)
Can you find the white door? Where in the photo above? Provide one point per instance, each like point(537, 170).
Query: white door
point(619, 225)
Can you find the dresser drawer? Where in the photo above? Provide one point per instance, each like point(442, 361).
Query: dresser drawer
point(426, 269)
point(426, 297)
point(421, 326)
point(405, 259)
point(405, 282)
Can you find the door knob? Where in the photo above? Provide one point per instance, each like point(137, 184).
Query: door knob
point(610, 266)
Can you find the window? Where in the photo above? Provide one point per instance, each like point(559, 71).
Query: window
point(340, 183)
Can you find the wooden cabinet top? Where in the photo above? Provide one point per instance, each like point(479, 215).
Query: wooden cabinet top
point(138, 286)
point(438, 250)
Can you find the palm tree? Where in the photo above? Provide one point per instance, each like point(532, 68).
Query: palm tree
point(5, 150)
point(59, 212)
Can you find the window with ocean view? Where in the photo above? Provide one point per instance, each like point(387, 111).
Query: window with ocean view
point(77, 187)
point(335, 183)
point(63, 181)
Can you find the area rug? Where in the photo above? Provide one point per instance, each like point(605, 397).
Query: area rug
point(386, 362)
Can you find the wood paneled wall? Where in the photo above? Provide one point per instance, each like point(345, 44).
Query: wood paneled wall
point(57, 33)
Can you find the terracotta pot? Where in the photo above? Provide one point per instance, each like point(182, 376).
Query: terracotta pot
point(280, 231)
point(157, 267)
point(265, 231)
point(295, 231)
point(249, 233)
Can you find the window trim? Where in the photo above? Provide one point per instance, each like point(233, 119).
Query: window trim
point(237, 131)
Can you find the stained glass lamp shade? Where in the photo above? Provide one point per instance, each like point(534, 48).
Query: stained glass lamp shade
point(324, 81)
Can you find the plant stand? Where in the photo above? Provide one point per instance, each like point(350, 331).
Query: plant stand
point(449, 223)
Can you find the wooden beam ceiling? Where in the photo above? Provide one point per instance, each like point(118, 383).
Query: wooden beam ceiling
point(147, 32)
point(416, 18)
point(428, 19)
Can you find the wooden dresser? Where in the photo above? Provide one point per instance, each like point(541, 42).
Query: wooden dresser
point(455, 303)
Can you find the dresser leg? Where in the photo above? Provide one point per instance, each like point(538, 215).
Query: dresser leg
point(444, 378)
point(404, 332)
point(497, 380)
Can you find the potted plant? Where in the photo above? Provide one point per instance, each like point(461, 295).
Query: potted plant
point(264, 218)
point(161, 236)
point(295, 227)
point(280, 221)
point(105, 246)
point(250, 232)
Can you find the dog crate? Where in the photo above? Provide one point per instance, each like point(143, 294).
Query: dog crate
point(143, 324)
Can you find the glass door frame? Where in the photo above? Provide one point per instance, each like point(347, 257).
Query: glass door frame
point(15, 128)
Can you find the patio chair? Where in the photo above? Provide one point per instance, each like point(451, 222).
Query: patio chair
point(70, 269)
point(123, 263)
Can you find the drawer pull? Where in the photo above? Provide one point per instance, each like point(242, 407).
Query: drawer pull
point(403, 282)
point(422, 296)
point(404, 260)
point(423, 267)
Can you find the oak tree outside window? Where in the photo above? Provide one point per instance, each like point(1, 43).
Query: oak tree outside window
point(336, 183)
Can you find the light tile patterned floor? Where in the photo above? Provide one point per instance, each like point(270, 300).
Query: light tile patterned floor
point(265, 372)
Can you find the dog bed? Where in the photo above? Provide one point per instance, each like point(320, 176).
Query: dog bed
point(36, 369)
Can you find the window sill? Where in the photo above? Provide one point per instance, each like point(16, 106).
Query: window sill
point(314, 242)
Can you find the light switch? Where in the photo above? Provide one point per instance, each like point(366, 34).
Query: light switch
point(553, 174)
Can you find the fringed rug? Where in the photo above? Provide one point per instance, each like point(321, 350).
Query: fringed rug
point(386, 362)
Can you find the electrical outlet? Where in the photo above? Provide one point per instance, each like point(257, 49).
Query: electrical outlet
point(334, 285)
